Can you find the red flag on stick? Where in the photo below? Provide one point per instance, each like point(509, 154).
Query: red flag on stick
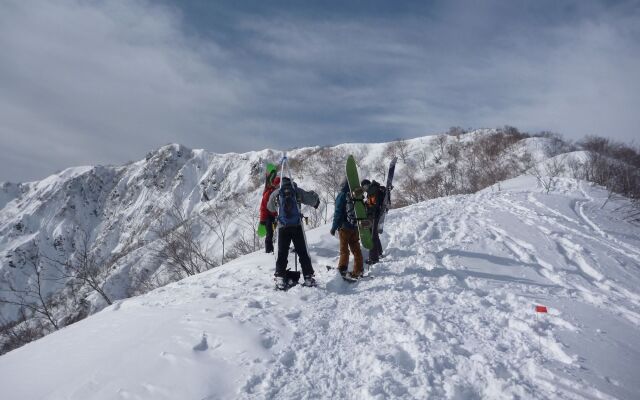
point(541, 309)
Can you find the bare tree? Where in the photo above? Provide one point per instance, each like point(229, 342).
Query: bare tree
point(403, 149)
point(20, 331)
point(248, 219)
point(179, 248)
point(329, 175)
point(397, 148)
point(548, 175)
point(85, 267)
point(219, 219)
point(456, 131)
point(380, 168)
point(423, 160)
point(31, 299)
point(441, 142)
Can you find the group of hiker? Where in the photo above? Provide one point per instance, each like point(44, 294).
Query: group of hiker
point(346, 225)
point(280, 211)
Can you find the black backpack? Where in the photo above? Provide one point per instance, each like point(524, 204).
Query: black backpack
point(288, 209)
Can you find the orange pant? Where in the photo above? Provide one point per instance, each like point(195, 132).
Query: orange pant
point(350, 240)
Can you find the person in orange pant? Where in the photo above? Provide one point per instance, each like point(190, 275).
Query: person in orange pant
point(344, 222)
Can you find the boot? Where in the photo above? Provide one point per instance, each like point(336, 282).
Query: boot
point(353, 276)
point(281, 283)
point(309, 281)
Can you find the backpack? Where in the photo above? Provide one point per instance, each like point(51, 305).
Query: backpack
point(288, 208)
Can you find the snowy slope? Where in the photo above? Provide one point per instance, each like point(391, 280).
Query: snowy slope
point(448, 314)
point(118, 209)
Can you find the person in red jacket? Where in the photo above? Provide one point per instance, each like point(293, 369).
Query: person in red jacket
point(268, 218)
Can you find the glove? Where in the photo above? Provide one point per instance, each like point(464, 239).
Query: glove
point(262, 229)
point(317, 204)
point(333, 232)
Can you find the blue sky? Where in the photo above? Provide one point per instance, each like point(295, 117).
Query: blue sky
point(88, 82)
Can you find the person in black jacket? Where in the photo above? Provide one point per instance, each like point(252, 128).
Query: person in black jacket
point(374, 202)
point(287, 201)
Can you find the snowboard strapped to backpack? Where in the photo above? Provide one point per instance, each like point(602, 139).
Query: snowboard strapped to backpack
point(351, 211)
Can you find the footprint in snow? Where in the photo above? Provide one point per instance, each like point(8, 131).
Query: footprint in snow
point(254, 304)
point(203, 345)
point(293, 315)
point(268, 342)
point(288, 358)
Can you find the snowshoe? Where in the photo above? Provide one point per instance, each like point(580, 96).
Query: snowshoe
point(309, 281)
point(351, 277)
point(281, 283)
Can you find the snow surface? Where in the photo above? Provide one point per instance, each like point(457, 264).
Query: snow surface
point(449, 313)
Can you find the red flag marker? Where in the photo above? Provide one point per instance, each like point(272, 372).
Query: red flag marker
point(541, 309)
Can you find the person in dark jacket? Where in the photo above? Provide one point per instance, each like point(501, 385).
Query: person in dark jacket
point(268, 218)
point(344, 222)
point(374, 202)
point(286, 201)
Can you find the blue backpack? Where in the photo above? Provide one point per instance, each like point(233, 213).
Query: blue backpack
point(288, 210)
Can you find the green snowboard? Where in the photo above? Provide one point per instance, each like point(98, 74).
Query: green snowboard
point(364, 224)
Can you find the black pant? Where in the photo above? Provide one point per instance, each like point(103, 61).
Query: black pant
point(376, 250)
point(294, 234)
point(268, 240)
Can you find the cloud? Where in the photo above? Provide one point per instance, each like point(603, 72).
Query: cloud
point(88, 82)
point(466, 66)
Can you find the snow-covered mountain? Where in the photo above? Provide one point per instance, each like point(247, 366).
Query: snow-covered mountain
point(108, 219)
point(449, 313)
point(87, 237)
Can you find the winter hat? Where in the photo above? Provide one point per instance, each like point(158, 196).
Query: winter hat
point(365, 182)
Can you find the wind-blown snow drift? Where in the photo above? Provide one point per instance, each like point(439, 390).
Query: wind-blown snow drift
point(448, 314)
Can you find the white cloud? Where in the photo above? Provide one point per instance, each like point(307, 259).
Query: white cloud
point(87, 82)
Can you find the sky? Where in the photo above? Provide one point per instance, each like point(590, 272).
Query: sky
point(85, 82)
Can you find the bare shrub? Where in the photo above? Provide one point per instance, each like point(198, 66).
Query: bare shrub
point(179, 250)
point(456, 131)
point(32, 296)
point(17, 333)
point(328, 177)
point(86, 268)
point(614, 165)
point(219, 218)
point(548, 174)
point(398, 148)
point(380, 168)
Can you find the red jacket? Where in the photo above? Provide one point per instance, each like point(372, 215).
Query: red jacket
point(264, 213)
